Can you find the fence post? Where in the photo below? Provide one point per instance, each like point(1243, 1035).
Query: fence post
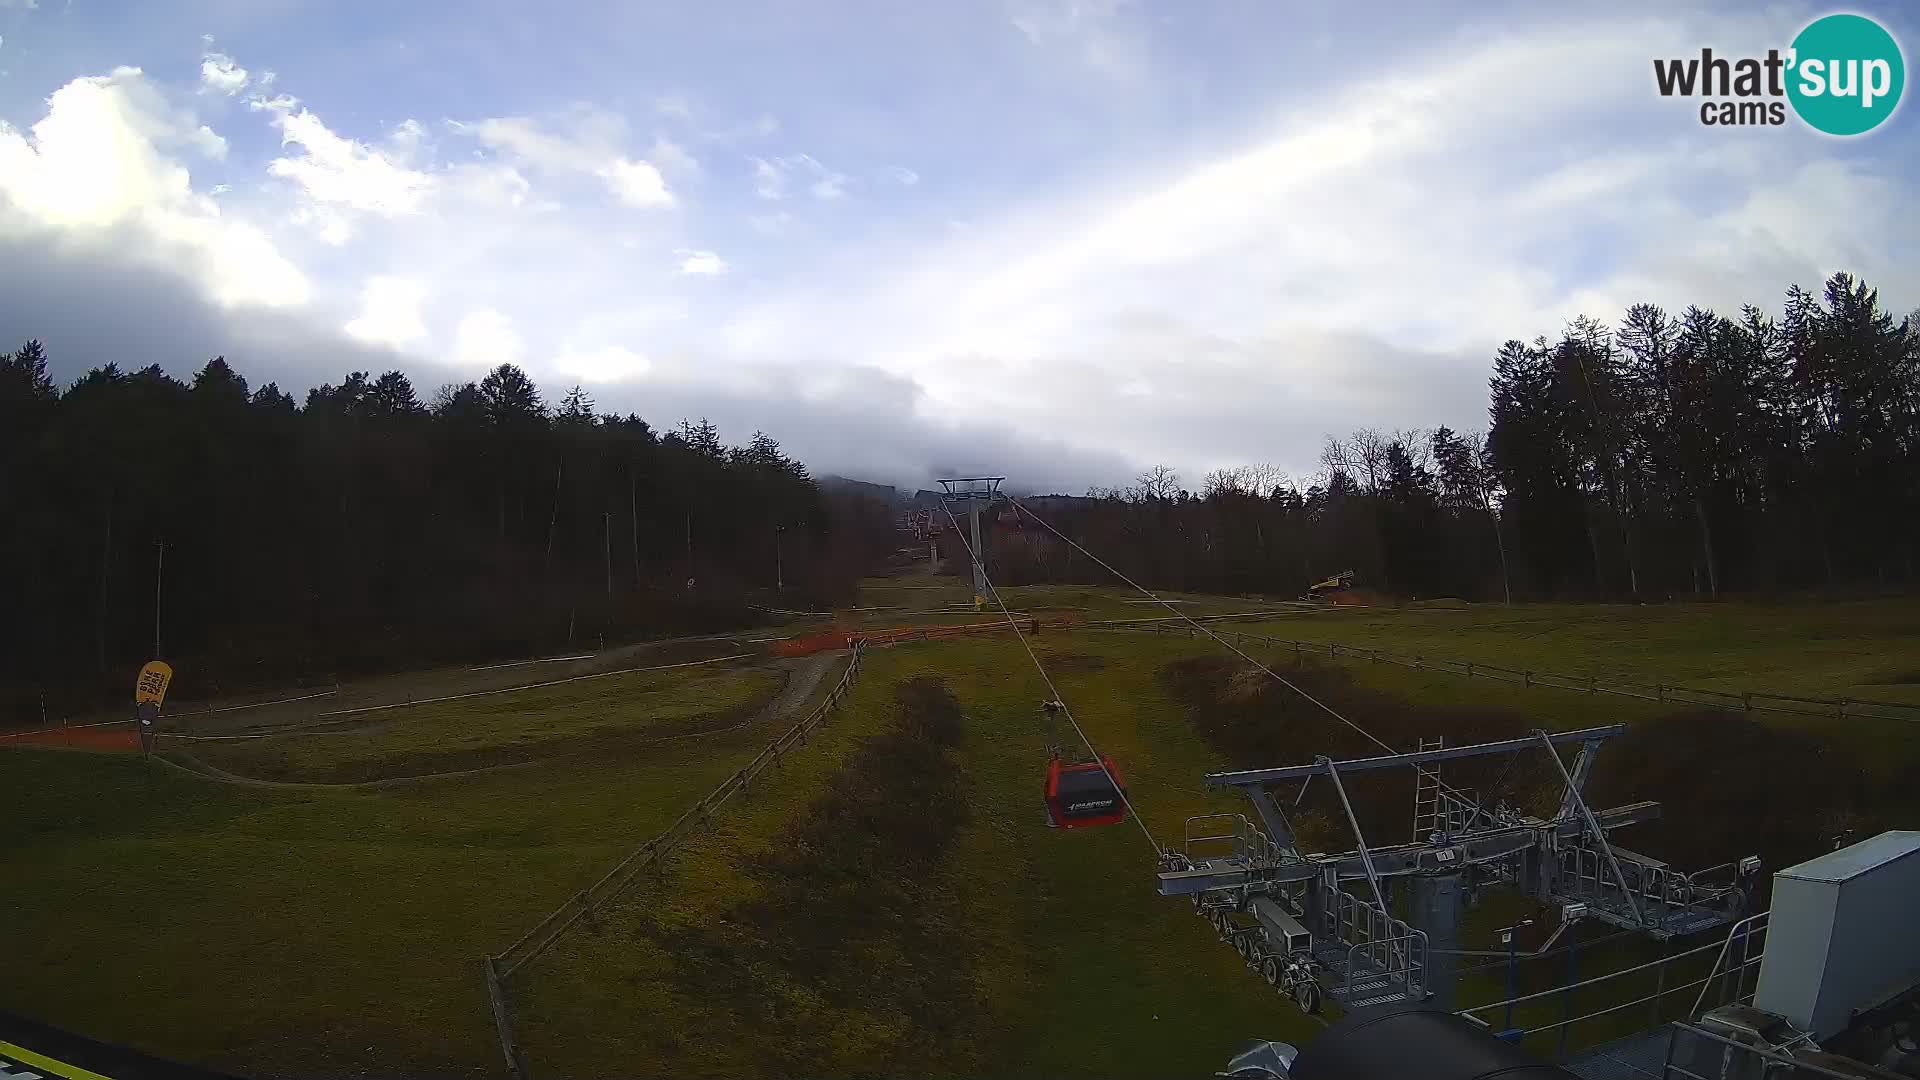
point(503, 1020)
point(1589, 684)
point(1566, 1016)
point(1469, 669)
point(1526, 678)
point(1747, 700)
point(1660, 691)
point(1660, 984)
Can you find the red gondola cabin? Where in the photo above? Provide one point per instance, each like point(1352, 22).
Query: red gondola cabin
point(1080, 795)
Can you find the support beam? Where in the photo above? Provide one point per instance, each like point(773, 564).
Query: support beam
point(1599, 836)
point(1398, 859)
point(1582, 768)
point(1279, 830)
point(1434, 906)
point(1247, 777)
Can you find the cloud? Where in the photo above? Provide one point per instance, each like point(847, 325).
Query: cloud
point(701, 263)
point(335, 171)
point(486, 339)
point(585, 141)
point(103, 169)
point(673, 158)
point(607, 364)
point(1099, 35)
point(637, 183)
point(901, 175)
point(771, 177)
point(91, 305)
point(390, 312)
point(220, 75)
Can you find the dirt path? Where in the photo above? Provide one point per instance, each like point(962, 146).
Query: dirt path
point(803, 678)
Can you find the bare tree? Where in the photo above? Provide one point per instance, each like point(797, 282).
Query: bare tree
point(1159, 483)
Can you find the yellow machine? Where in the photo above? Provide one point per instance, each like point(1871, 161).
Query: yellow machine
point(1339, 582)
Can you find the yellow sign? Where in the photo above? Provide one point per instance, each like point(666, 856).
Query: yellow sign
point(152, 684)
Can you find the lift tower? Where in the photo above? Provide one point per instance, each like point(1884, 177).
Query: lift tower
point(977, 492)
point(1309, 935)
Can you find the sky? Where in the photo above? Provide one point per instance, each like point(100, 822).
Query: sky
point(1060, 240)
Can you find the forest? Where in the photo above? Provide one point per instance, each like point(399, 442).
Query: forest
point(1696, 456)
point(367, 529)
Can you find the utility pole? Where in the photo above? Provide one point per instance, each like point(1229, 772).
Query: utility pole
point(606, 520)
point(975, 491)
point(159, 564)
point(779, 575)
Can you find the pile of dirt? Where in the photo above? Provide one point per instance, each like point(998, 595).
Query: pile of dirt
point(847, 962)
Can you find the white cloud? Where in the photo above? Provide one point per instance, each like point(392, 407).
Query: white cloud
point(701, 263)
point(334, 170)
point(590, 145)
point(100, 161)
point(606, 364)
point(390, 312)
point(673, 158)
point(1095, 33)
point(902, 175)
point(486, 339)
point(772, 175)
point(769, 179)
point(637, 183)
point(220, 75)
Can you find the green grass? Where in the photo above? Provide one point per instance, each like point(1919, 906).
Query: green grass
point(309, 933)
point(1082, 967)
point(304, 933)
point(1866, 649)
point(503, 728)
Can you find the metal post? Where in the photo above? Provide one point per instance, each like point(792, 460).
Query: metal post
point(1513, 979)
point(779, 574)
point(979, 556)
point(159, 564)
point(1435, 909)
point(606, 520)
point(1566, 1017)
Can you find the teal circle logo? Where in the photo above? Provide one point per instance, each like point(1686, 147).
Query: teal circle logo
point(1846, 74)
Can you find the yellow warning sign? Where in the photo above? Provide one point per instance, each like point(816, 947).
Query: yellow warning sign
point(151, 686)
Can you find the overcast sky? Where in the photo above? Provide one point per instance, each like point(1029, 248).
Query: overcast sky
point(1059, 239)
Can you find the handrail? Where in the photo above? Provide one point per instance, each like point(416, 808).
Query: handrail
point(1726, 944)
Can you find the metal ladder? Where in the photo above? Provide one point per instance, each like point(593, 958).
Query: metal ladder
point(1427, 816)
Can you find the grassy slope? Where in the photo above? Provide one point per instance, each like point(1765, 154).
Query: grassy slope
point(334, 931)
point(1862, 649)
point(505, 727)
point(1083, 968)
point(309, 933)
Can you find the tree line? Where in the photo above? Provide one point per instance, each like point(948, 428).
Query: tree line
point(1664, 457)
point(366, 529)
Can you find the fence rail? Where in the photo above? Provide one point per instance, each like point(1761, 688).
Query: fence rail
point(586, 904)
point(1733, 700)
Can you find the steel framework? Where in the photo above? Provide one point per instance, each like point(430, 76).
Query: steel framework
point(1240, 873)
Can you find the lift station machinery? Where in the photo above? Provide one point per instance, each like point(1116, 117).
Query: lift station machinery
point(1292, 916)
